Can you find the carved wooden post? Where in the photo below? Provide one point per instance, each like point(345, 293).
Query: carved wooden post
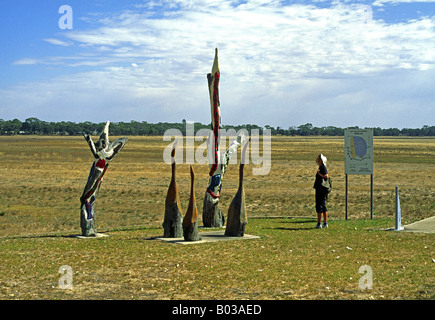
point(103, 151)
point(172, 223)
point(237, 217)
point(190, 221)
point(211, 214)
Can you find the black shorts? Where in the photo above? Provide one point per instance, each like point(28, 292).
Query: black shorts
point(321, 196)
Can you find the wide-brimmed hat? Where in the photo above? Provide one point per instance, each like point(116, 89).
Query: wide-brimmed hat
point(323, 158)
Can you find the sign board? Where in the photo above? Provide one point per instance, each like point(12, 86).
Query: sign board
point(358, 151)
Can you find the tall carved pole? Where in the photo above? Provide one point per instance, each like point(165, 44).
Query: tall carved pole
point(172, 223)
point(103, 151)
point(211, 214)
point(190, 221)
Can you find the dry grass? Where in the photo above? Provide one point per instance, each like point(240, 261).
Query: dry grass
point(43, 178)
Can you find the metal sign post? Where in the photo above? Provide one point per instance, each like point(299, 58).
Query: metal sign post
point(358, 158)
point(398, 212)
point(371, 196)
point(347, 196)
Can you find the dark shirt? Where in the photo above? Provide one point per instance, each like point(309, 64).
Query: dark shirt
point(323, 171)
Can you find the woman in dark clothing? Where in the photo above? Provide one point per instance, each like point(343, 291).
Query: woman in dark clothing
point(321, 193)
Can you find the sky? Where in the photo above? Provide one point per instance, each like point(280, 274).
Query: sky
point(283, 63)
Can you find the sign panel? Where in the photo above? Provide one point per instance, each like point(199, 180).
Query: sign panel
point(358, 151)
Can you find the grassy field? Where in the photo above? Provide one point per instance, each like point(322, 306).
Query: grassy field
point(43, 178)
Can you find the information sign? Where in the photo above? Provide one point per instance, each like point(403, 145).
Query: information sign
point(358, 151)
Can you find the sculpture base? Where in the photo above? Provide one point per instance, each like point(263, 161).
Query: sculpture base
point(172, 223)
point(88, 225)
point(190, 233)
point(211, 236)
point(237, 218)
point(212, 216)
point(95, 236)
point(236, 229)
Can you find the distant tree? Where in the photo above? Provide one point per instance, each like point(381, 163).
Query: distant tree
point(391, 132)
point(35, 126)
point(12, 126)
point(272, 129)
point(305, 129)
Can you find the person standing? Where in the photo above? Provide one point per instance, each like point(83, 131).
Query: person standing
point(321, 192)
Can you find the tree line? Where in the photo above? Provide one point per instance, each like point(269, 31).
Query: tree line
point(34, 126)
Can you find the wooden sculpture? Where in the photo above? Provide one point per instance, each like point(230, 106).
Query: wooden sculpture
point(237, 217)
point(104, 152)
point(190, 221)
point(172, 223)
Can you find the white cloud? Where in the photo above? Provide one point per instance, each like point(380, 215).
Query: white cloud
point(58, 42)
point(26, 61)
point(281, 64)
point(265, 40)
point(381, 3)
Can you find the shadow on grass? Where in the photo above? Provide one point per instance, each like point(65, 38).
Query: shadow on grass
point(300, 221)
point(299, 224)
point(289, 229)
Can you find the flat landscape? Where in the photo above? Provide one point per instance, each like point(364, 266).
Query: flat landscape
point(42, 178)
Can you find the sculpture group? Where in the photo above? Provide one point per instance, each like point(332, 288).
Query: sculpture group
point(212, 216)
point(174, 225)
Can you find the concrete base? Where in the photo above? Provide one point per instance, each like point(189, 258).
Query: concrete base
point(207, 237)
point(423, 226)
point(97, 236)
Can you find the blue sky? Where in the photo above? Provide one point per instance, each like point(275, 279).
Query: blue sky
point(283, 63)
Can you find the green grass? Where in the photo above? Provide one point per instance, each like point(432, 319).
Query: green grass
point(291, 260)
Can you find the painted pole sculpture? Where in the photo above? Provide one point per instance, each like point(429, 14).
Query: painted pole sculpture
point(172, 223)
point(211, 214)
point(190, 221)
point(103, 151)
point(237, 217)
